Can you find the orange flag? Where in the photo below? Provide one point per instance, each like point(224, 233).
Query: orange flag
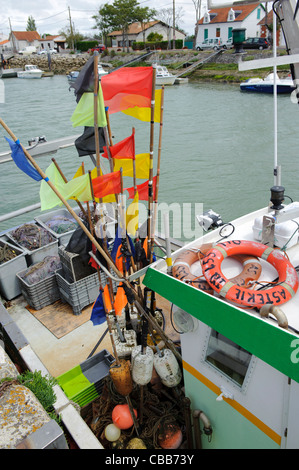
point(123, 149)
point(127, 87)
point(107, 300)
point(107, 184)
point(120, 300)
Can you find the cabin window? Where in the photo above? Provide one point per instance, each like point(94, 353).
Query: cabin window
point(227, 357)
point(217, 32)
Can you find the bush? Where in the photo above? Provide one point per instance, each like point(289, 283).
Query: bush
point(157, 45)
point(85, 45)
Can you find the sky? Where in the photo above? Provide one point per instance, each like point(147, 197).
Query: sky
point(51, 16)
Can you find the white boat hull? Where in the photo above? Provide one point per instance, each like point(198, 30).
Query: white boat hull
point(30, 74)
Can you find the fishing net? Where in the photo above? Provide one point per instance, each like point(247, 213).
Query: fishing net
point(31, 236)
point(61, 224)
point(159, 409)
point(39, 271)
point(7, 253)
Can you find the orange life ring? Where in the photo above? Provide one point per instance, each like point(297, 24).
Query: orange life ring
point(283, 291)
point(182, 269)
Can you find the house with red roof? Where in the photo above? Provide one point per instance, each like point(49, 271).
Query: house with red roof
point(21, 39)
point(220, 22)
point(138, 32)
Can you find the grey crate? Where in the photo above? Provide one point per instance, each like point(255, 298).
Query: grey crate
point(78, 294)
point(43, 219)
point(42, 293)
point(73, 267)
point(9, 285)
point(34, 256)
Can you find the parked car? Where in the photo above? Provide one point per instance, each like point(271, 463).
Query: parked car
point(45, 51)
point(255, 43)
point(209, 44)
point(227, 44)
point(99, 48)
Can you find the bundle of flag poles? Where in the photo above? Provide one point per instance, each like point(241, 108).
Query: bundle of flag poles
point(132, 92)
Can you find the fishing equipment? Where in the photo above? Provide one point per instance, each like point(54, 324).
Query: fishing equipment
point(112, 432)
point(167, 368)
point(182, 269)
point(31, 236)
point(41, 270)
point(121, 416)
point(142, 364)
point(283, 290)
point(170, 435)
point(136, 443)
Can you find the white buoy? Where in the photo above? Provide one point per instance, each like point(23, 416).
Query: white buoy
point(167, 367)
point(142, 365)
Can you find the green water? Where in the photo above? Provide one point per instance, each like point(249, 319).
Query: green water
point(217, 144)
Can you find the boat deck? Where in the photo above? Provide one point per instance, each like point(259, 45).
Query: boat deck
point(63, 340)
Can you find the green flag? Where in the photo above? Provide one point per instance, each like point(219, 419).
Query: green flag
point(84, 112)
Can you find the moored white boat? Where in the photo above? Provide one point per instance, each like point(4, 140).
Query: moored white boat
point(30, 71)
point(163, 76)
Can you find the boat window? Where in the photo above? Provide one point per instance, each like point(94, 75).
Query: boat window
point(226, 356)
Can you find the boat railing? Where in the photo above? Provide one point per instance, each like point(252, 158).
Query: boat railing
point(39, 147)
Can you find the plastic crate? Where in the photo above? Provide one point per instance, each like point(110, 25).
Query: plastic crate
point(9, 285)
point(34, 256)
point(63, 238)
point(73, 267)
point(83, 383)
point(80, 293)
point(40, 294)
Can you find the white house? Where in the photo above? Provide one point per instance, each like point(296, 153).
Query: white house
point(52, 42)
point(21, 39)
point(220, 22)
point(139, 33)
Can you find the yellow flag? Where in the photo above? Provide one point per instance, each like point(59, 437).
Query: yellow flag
point(132, 216)
point(144, 114)
point(79, 172)
point(142, 164)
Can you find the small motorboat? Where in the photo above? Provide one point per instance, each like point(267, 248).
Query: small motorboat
point(260, 85)
point(31, 71)
point(72, 76)
point(163, 77)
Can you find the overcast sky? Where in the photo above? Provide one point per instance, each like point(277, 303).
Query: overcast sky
point(53, 15)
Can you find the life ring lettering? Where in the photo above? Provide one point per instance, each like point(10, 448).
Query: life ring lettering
point(283, 291)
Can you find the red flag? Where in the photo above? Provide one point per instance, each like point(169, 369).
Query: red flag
point(123, 149)
point(143, 190)
point(107, 184)
point(127, 87)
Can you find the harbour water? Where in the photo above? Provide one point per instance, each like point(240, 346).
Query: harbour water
point(217, 144)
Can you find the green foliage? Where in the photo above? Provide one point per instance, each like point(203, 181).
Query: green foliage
point(31, 26)
point(85, 45)
point(41, 386)
point(164, 45)
point(154, 37)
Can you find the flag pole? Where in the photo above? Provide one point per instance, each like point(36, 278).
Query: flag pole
point(150, 182)
point(96, 91)
point(158, 168)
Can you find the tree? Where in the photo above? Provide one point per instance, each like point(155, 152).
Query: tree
point(197, 6)
point(119, 16)
point(31, 26)
point(144, 15)
point(72, 37)
point(166, 15)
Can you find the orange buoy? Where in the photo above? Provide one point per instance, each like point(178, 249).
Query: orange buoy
point(170, 436)
point(121, 416)
point(121, 377)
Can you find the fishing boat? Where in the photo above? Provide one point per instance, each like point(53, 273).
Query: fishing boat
point(266, 85)
point(239, 329)
point(30, 71)
point(72, 76)
point(234, 303)
point(163, 76)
